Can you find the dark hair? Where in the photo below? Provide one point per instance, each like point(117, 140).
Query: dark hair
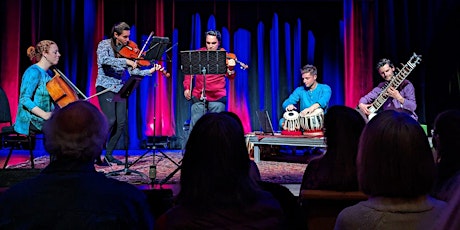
point(77, 131)
point(254, 172)
point(119, 28)
point(214, 33)
point(215, 166)
point(446, 141)
point(394, 157)
point(383, 62)
point(342, 128)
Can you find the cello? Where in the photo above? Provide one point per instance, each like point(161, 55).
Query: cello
point(63, 91)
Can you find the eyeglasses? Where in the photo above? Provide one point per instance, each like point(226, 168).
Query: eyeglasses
point(209, 43)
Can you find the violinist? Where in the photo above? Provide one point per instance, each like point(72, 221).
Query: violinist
point(112, 68)
point(35, 103)
point(215, 95)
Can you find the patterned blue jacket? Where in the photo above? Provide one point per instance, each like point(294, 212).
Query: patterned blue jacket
point(33, 93)
point(111, 71)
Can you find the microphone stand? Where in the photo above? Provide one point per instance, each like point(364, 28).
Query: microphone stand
point(203, 91)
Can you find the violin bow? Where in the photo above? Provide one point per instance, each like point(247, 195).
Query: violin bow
point(145, 44)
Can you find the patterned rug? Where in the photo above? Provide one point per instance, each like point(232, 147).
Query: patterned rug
point(167, 163)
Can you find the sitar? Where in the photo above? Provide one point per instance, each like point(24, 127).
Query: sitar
point(395, 82)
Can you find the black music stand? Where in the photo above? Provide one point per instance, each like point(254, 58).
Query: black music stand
point(131, 84)
point(157, 48)
point(201, 62)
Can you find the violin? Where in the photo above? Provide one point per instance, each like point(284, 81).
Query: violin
point(132, 52)
point(233, 56)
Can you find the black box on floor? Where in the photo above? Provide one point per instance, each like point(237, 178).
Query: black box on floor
point(161, 142)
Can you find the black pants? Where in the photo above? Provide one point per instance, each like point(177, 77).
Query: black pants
point(116, 114)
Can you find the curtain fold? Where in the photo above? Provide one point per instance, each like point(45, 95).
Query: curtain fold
point(10, 53)
point(344, 39)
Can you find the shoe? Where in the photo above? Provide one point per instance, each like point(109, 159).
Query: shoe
point(111, 159)
point(99, 162)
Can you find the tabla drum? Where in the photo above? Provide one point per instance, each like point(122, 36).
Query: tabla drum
point(291, 125)
point(313, 123)
point(291, 122)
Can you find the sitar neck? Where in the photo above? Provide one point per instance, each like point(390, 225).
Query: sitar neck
point(395, 82)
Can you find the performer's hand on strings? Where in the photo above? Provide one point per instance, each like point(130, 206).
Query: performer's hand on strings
point(394, 93)
point(364, 108)
point(231, 64)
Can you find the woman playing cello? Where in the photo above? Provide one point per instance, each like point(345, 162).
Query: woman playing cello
point(35, 104)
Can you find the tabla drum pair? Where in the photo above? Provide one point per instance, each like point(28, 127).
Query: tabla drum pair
point(311, 124)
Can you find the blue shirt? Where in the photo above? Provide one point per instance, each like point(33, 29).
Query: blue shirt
point(321, 95)
point(33, 93)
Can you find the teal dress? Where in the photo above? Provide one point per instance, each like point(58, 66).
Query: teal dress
point(32, 93)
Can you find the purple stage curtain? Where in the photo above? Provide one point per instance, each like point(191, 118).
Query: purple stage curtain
point(358, 52)
point(10, 53)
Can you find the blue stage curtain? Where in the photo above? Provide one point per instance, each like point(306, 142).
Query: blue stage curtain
point(274, 42)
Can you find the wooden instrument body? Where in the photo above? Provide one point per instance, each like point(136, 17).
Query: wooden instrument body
point(61, 91)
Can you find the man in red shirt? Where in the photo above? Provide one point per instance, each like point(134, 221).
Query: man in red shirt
point(215, 94)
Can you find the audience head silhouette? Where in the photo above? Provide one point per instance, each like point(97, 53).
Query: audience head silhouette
point(216, 190)
point(216, 160)
point(336, 169)
point(446, 136)
point(77, 131)
point(69, 193)
point(394, 157)
point(342, 126)
point(396, 170)
point(446, 142)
